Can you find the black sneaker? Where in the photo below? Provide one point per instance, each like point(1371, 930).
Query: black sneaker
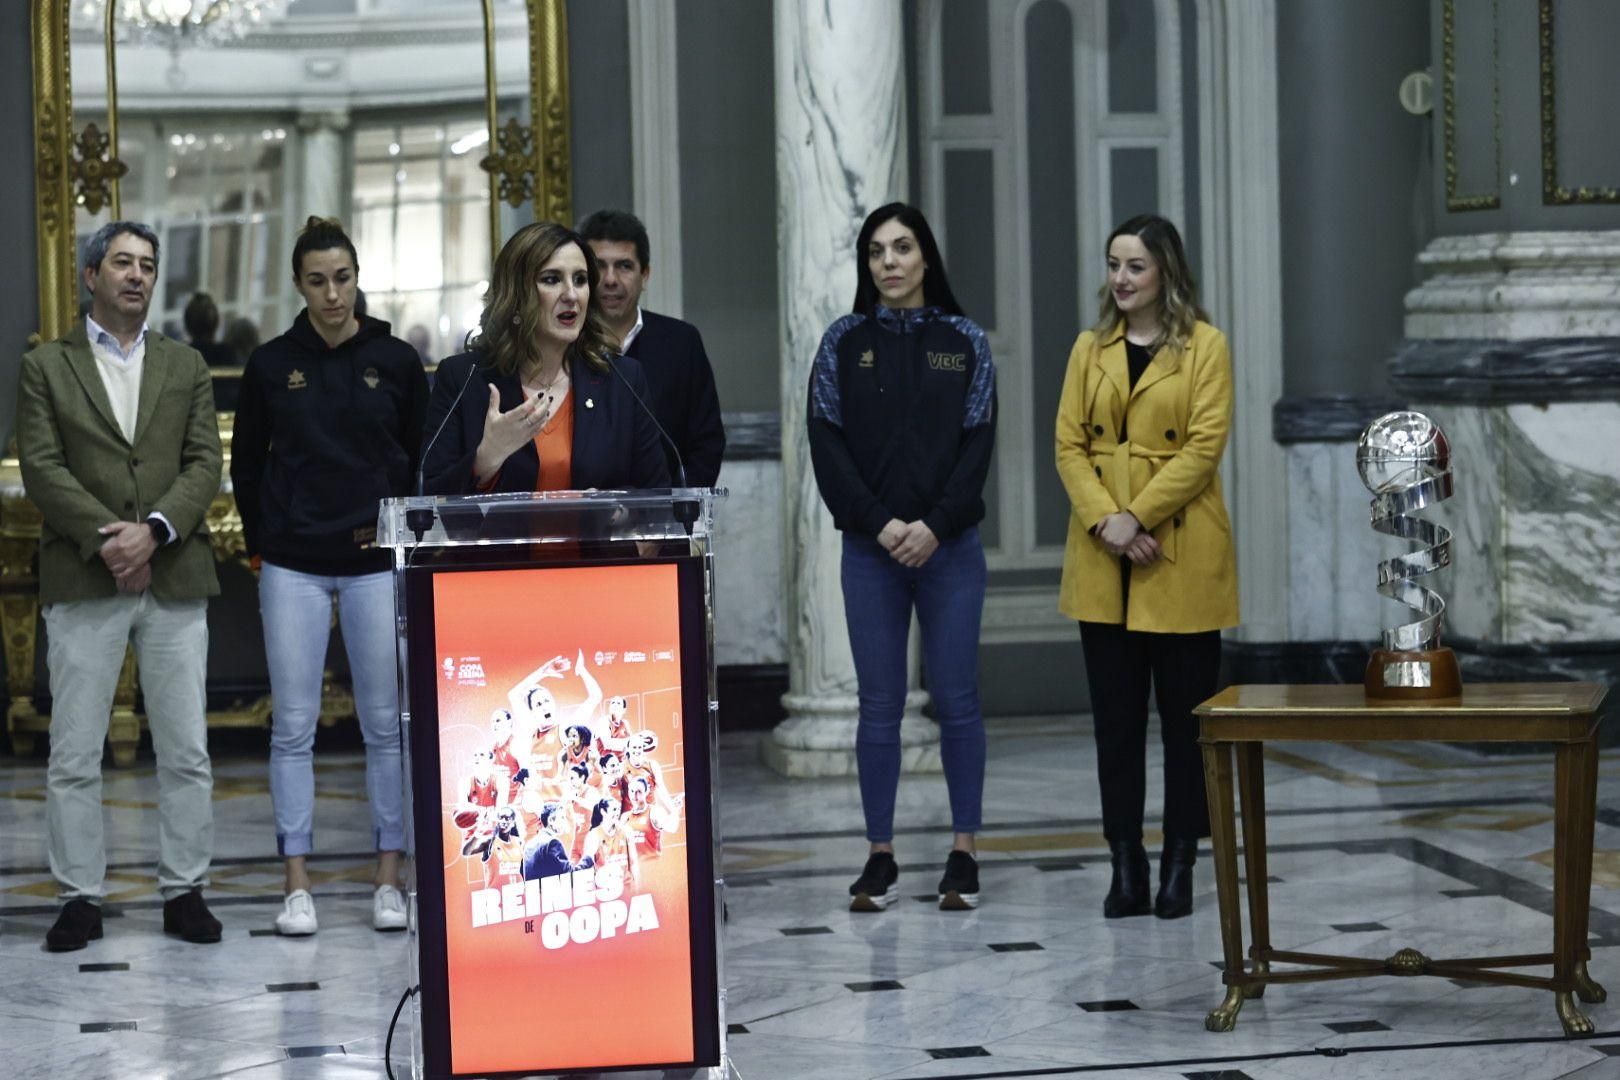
point(77, 926)
point(187, 916)
point(878, 886)
point(959, 888)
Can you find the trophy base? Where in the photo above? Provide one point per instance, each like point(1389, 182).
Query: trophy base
point(1418, 675)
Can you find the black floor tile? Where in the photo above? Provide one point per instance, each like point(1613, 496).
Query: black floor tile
point(292, 987)
point(1017, 946)
point(1223, 1074)
point(261, 933)
point(1062, 864)
point(114, 1025)
point(104, 967)
point(1115, 1005)
point(868, 987)
point(1466, 894)
point(314, 1051)
point(1352, 1027)
point(736, 1029)
point(802, 931)
point(1611, 1049)
point(1358, 927)
point(1271, 879)
point(958, 1052)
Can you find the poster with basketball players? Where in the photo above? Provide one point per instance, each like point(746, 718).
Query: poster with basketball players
point(564, 839)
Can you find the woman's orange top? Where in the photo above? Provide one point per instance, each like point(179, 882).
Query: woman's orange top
point(555, 445)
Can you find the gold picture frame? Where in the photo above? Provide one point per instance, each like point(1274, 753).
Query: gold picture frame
point(536, 164)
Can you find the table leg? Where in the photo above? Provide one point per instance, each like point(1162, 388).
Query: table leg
point(1252, 805)
point(1585, 805)
point(1223, 839)
point(1568, 784)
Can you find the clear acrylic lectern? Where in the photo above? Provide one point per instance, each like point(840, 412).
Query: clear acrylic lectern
point(558, 714)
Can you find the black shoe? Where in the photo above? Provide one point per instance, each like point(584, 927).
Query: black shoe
point(877, 887)
point(1175, 879)
point(188, 916)
point(1128, 891)
point(959, 888)
point(77, 926)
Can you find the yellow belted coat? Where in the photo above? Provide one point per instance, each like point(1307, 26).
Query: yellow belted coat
point(1176, 422)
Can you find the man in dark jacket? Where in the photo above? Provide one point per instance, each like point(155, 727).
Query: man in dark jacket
point(670, 351)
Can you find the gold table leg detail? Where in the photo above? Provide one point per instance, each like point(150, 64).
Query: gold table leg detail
point(1223, 1017)
point(1575, 1022)
point(1257, 990)
point(1587, 988)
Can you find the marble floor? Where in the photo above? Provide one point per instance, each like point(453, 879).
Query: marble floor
point(1373, 849)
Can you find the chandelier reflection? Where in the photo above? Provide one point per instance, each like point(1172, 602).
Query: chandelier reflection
point(177, 24)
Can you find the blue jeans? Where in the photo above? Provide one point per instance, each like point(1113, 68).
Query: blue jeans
point(948, 593)
point(297, 612)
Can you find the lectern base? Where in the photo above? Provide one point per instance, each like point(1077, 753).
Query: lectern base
point(1415, 675)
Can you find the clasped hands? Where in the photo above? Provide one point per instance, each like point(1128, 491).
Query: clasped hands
point(128, 554)
point(908, 544)
point(1123, 535)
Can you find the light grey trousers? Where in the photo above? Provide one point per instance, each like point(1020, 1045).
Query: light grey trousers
point(86, 651)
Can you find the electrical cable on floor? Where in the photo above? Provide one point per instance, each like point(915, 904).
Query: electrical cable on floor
point(1322, 1051)
point(388, 1044)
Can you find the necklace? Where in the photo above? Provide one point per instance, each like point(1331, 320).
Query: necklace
point(550, 389)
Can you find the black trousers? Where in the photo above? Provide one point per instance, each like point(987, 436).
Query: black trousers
point(1184, 670)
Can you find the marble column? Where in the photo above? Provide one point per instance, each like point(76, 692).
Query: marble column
point(840, 153)
point(323, 169)
point(1513, 337)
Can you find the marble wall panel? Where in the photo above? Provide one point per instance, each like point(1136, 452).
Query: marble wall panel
point(1314, 542)
point(748, 623)
point(1560, 481)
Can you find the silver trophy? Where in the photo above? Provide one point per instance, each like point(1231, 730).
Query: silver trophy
point(1405, 461)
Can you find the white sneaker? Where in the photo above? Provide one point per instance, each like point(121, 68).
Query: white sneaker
point(387, 909)
point(297, 918)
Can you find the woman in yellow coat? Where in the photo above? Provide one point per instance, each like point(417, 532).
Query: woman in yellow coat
point(1149, 569)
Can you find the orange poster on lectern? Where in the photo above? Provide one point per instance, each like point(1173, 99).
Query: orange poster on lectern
point(564, 839)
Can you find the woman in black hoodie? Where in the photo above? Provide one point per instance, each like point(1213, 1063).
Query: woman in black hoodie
point(329, 422)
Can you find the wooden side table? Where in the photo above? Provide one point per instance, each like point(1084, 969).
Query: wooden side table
point(1244, 718)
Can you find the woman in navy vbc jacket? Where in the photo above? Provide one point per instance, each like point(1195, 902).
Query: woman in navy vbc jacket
point(536, 403)
point(902, 422)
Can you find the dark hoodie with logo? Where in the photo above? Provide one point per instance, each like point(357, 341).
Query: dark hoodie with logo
point(320, 436)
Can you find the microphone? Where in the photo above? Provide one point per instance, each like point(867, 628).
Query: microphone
point(685, 510)
point(420, 520)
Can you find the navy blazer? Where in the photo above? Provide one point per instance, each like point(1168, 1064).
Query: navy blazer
point(616, 444)
point(683, 395)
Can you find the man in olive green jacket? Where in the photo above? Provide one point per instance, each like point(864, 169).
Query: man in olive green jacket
point(119, 445)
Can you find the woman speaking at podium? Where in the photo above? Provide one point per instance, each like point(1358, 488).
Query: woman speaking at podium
point(540, 401)
point(1148, 569)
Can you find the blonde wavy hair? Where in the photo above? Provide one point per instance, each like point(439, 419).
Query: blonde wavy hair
point(512, 312)
point(1177, 305)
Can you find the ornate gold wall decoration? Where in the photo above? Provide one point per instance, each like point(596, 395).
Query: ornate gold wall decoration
point(1448, 38)
point(548, 71)
point(1552, 192)
point(511, 162)
point(53, 154)
point(95, 169)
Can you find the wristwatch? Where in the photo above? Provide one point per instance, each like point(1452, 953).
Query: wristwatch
point(160, 532)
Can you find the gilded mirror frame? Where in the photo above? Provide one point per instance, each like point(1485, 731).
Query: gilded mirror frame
point(525, 164)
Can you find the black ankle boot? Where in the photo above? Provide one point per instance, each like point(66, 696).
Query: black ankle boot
point(1175, 879)
point(1128, 892)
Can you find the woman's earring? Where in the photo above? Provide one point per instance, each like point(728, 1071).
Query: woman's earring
point(516, 320)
